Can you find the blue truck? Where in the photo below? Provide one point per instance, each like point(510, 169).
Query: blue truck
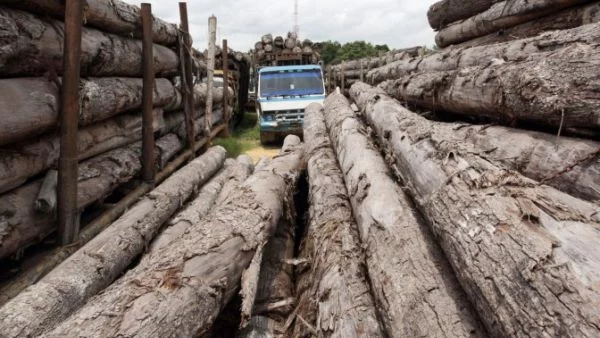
point(283, 94)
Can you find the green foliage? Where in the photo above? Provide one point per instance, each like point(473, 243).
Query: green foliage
point(244, 138)
point(334, 52)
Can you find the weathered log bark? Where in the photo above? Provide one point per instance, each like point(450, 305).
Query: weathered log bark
point(444, 12)
point(233, 174)
point(27, 100)
point(332, 288)
point(458, 58)
point(46, 197)
point(525, 253)
point(178, 290)
point(548, 89)
point(92, 268)
point(565, 19)
point(568, 164)
point(500, 16)
point(113, 16)
point(33, 46)
point(423, 301)
point(20, 162)
point(21, 225)
point(273, 298)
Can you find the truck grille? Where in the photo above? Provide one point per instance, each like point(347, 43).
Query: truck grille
point(289, 115)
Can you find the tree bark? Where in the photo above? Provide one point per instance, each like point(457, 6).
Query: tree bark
point(97, 264)
point(555, 89)
point(425, 298)
point(113, 16)
point(525, 253)
point(22, 225)
point(500, 16)
point(444, 12)
point(565, 19)
point(179, 290)
point(332, 287)
point(22, 161)
point(33, 46)
point(569, 164)
point(274, 291)
point(234, 173)
point(458, 58)
point(36, 99)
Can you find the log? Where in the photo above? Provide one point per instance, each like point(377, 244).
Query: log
point(458, 58)
point(565, 19)
point(97, 264)
point(22, 161)
point(46, 197)
point(274, 290)
point(427, 301)
point(33, 46)
point(333, 290)
point(568, 164)
point(97, 178)
point(444, 12)
point(179, 290)
point(113, 16)
point(233, 174)
point(525, 253)
point(548, 89)
point(36, 99)
point(500, 15)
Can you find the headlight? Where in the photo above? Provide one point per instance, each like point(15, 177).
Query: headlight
point(269, 117)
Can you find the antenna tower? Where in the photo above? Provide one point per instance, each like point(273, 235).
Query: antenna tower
point(296, 27)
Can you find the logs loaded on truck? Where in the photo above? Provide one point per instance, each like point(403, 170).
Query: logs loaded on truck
point(453, 193)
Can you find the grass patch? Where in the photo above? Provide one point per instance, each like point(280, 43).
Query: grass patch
point(245, 137)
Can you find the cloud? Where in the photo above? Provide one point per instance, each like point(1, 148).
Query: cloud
point(397, 23)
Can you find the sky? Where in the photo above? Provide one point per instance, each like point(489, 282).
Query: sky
point(397, 23)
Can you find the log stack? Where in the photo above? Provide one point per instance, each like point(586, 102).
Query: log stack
point(268, 48)
point(110, 121)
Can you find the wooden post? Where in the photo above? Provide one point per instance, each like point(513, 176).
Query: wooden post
point(210, 66)
point(68, 214)
point(148, 168)
point(362, 72)
point(226, 113)
point(186, 75)
point(342, 77)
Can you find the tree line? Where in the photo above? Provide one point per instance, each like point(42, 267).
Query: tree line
point(333, 52)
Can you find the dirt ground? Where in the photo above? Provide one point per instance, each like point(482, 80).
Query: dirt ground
point(256, 153)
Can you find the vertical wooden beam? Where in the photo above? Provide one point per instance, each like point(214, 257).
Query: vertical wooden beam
point(225, 58)
point(68, 213)
point(187, 77)
point(362, 71)
point(210, 65)
point(342, 75)
point(148, 156)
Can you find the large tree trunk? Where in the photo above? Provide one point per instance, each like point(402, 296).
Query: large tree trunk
point(20, 162)
point(332, 288)
point(548, 89)
point(458, 58)
point(500, 16)
point(526, 254)
point(24, 100)
point(568, 164)
point(178, 291)
point(444, 12)
point(424, 299)
point(22, 225)
point(234, 173)
point(97, 264)
point(565, 19)
point(274, 291)
point(34, 46)
point(113, 16)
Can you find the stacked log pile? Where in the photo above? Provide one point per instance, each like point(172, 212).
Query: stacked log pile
point(345, 74)
point(268, 47)
point(110, 120)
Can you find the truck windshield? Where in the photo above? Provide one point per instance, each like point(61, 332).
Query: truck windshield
point(291, 82)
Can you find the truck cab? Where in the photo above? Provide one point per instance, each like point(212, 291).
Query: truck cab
point(283, 94)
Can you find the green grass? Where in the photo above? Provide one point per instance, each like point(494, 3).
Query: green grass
point(243, 138)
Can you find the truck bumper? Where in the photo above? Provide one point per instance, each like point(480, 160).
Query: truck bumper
point(277, 128)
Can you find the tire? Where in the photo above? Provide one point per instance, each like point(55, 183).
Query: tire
point(265, 138)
